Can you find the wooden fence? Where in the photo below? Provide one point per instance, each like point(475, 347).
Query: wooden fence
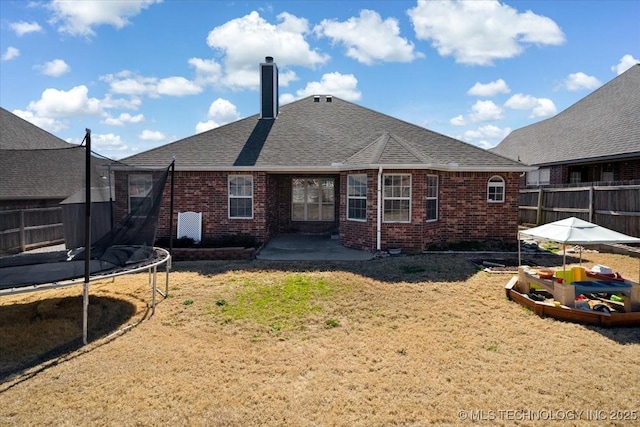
point(614, 206)
point(24, 229)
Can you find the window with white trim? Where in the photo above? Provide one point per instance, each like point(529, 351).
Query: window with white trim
point(140, 186)
point(495, 189)
point(312, 199)
point(396, 195)
point(240, 196)
point(432, 197)
point(539, 177)
point(357, 197)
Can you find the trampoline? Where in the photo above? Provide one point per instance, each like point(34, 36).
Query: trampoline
point(126, 248)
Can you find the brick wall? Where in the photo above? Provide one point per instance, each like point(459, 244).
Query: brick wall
point(463, 213)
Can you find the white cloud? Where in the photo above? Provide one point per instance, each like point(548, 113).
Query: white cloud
point(177, 86)
point(54, 68)
point(60, 103)
point(489, 89)
point(341, 85)
point(485, 111)
point(127, 83)
point(579, 81)
point(123, 118)
point(151, 135)
point(21, 28)
point(487, 131)
point(133, 103)
point(545, 108)
point(47, 123)
point(369, 39)
point(284, 41)
point(10, 53)
point(208, 71)
point(79, 18)
point(458, 121)
point(220, 113)
point(107, 142)
point(479, 32)
point(540, 107)
point(520, 101)
point(626, 62)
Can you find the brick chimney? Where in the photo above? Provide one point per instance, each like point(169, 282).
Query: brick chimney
point(268, 89)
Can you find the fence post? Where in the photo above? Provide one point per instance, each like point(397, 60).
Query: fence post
point(591, 202)
point(539, 211)
point(23, 243)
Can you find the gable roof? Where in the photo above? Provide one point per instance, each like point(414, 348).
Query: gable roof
point(35, 164)
point(323, 134)
point(604, 125)
point(19, 134)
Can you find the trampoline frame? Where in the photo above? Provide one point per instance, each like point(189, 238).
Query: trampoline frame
point(164, 257)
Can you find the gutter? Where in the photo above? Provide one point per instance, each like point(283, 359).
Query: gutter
point(379, 211)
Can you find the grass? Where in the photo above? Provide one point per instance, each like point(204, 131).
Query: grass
point(409, 340)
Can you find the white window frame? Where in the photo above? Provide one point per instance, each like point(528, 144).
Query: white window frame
point(539, 177)
point(430, 196)
point(148, 179)
point(395, 197)
point(361, 177)
point(322, 204)
point(239, 196)
point(496, 182)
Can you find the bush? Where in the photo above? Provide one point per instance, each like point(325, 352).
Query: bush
point(241, 240)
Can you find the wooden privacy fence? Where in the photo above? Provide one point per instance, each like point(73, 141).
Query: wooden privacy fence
point(616, 207)
point(23, 229)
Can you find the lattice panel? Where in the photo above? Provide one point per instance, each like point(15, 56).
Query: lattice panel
point(190, 225)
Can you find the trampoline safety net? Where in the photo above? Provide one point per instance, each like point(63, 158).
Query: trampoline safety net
point(124, 211)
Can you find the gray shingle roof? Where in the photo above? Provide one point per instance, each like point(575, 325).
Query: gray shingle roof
point(316, 135)
point(604, 124)
point(35, 164)
point(18, 134)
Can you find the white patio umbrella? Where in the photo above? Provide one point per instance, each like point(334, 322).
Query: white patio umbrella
point(575, 231)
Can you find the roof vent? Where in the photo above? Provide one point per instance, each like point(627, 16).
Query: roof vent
point(329, 98)
point(316, 98)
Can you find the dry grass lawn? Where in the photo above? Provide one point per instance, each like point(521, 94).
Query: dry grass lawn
point(410, 340)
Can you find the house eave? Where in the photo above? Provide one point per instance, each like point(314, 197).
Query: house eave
point(339, 167)
point(582, 161)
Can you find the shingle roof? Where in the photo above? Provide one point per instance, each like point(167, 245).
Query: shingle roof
point(35, 164)
point(18, 134)
point(316, 135)
point(604, 124)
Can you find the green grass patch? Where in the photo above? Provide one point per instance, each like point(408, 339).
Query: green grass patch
point(279, 306)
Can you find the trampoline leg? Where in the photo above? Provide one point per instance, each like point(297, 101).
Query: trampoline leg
point(85, 309)
point(153, 291)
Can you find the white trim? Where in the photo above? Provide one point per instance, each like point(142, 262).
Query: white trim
point(384, 198)
point(502, 185)
point(366, 185)
point(350, 167)
point(229, 196)
point(321, 202)
point(436, 198)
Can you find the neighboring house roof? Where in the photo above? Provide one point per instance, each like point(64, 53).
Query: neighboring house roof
point(18, 134)
point(604, 125)
point(35, 164)
point(323, 136)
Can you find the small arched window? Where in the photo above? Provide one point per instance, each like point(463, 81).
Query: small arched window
point(495, 189)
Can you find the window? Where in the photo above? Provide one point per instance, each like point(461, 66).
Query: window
point(139, 188)
point(396, 191)
point(539, 177)
point(241, 196)
point(432, 197)
point(313, 199)
point(609, 172)
point(495, 190)
point(357, 197)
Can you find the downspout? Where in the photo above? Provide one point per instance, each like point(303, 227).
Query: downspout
point(379, 215)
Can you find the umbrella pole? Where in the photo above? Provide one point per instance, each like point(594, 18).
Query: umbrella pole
point(519, 256)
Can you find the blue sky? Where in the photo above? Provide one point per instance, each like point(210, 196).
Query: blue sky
point(143, 73)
